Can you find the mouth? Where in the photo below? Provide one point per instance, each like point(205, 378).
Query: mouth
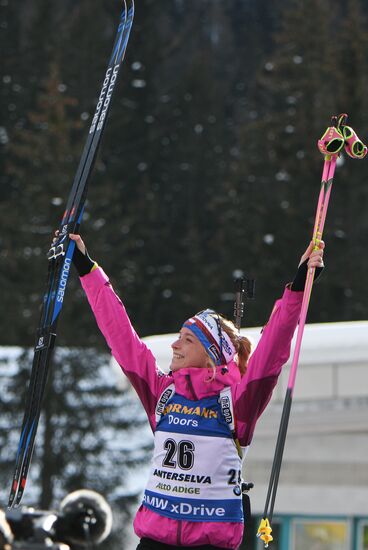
point(178, 356)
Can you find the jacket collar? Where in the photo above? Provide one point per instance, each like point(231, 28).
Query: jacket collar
point(196, 383)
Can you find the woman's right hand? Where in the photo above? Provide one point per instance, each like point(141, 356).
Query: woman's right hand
point(74, 237)
point(78, 242)
point(81, 259)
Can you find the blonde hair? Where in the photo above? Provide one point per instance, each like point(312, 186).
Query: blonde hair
point(242, 344)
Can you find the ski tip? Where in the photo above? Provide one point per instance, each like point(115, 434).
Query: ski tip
point(11, 501)
point(13, 493)
point(18, 499)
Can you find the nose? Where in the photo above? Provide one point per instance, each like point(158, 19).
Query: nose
point(175, 344)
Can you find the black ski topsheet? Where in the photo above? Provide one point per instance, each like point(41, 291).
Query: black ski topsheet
point(60, 258)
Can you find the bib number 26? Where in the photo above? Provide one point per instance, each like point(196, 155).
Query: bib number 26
point(181, 454)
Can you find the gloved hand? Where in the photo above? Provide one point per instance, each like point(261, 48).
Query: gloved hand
point(311, 258)
point(81, 259)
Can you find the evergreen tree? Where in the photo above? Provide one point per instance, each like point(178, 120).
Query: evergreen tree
point(296, 92)
point(91, 435)
point(166, 217)
point(208, 163)
point(347, 298)
point(39, 161)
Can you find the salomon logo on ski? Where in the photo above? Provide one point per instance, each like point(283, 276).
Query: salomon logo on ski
point(63, 280)
point(108, 98)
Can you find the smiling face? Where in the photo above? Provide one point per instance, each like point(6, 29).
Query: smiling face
point(188, 352)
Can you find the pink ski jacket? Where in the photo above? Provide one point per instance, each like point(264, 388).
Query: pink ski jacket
point(250, 394)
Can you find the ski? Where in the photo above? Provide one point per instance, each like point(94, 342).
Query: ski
point(59, 262)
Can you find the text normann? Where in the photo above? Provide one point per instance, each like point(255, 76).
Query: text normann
point(183, 409)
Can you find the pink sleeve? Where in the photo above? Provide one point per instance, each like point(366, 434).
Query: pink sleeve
point(254, 391)
point(135, 359)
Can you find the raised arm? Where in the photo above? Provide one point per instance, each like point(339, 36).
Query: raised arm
point(254, 391)
point(135, 359)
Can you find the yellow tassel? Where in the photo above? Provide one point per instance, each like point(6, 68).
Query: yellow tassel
point(264, 531)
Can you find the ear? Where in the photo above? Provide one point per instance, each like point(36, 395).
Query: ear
point(211, 366)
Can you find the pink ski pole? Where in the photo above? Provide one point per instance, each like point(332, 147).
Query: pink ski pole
point(323, 199)
point(330, 145)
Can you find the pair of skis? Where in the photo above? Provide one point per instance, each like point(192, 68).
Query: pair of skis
point(60, 259)
point(331, 143)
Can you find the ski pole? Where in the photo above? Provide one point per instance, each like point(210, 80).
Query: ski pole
point(330, 145)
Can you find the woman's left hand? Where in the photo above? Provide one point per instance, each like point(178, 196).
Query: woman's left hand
point(315, 256)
